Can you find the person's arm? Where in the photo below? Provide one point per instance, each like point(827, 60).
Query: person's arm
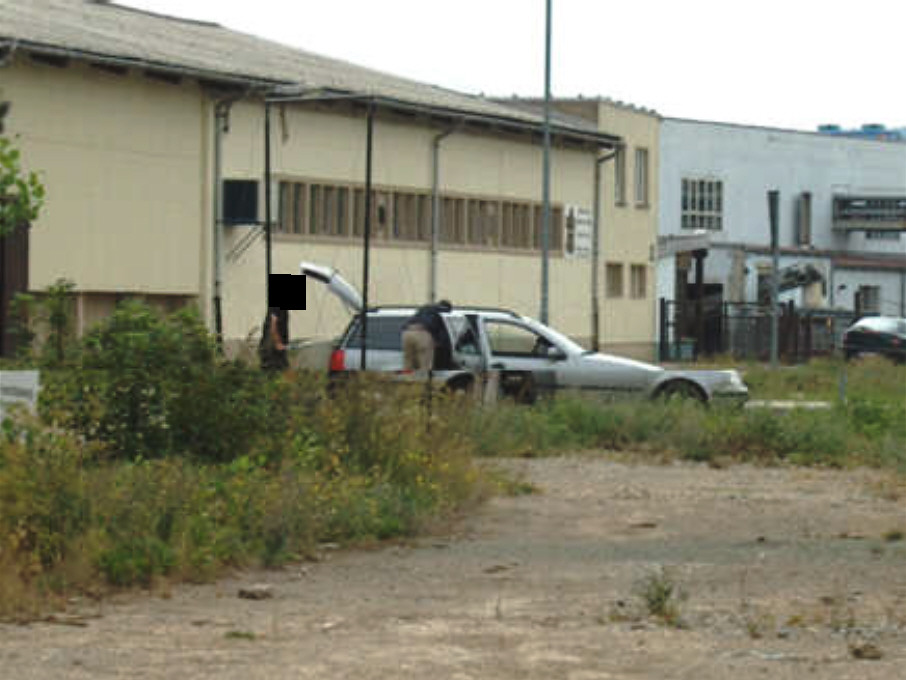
point(275, 334)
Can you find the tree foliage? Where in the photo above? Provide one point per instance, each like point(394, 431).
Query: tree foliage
point(21, 192)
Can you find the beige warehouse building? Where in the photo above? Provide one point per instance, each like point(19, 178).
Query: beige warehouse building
point(149, 133)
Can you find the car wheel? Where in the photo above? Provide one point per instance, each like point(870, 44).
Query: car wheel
point(681, 390)
point(460, 385)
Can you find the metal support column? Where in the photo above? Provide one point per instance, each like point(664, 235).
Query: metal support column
point(366, 237)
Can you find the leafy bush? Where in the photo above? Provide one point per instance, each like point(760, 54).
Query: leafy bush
point(148, 386)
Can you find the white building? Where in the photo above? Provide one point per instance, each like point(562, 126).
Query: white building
point(842, 214)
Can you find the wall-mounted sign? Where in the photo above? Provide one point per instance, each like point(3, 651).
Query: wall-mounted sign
point(578, 232)
point(18, 387)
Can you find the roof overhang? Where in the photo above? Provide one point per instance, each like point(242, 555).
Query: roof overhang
point(212, 76)
point(282, 91)
point(673, 244)
point(514, 124)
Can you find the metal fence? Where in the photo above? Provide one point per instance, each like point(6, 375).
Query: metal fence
point(743, 330)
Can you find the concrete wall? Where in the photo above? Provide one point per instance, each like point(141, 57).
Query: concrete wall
point(749, 162)
point(127, 161)
point(123, 160)
point(313, 145)
point(629, 231)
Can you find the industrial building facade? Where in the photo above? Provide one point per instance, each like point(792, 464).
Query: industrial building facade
point(149, 134)
point(842, 218)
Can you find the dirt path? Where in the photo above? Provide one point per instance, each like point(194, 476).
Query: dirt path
point(787, 574)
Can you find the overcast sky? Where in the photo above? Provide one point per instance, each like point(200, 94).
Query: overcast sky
point(780, 63)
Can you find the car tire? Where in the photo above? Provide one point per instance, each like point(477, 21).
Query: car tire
point(461, 385)
point(681, 390)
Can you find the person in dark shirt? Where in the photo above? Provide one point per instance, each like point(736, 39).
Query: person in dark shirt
point(275, 340)
point(425, 337)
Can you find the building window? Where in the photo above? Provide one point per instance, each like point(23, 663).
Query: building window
point(411, 219)
point(292, 208)
point(451, 220)
point(614, 280)
point(638, 281)
point(869, 299)
point(517, 226)
point(338, 211)
point(641, 177)
point(702, 204)
point(555, 237)
point(804, 219)
point(483, 223)
point(619, 176)
point(878, 235)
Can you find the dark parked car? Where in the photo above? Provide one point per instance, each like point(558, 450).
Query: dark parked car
point(884, 335)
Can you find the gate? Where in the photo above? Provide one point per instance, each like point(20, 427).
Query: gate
point(13, 280)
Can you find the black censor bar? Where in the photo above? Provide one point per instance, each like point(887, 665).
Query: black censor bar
point(286, 291)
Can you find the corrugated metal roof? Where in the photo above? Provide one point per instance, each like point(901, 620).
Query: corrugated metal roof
point(102, 30)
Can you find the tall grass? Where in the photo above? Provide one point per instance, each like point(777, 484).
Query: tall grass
point(868, 429)
point(233, 469)
point(154, 459)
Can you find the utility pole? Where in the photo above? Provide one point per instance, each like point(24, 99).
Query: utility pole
point(546, 181)
point(267, 203)
point(773, 200)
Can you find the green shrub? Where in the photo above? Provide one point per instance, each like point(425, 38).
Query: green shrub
point(149, 386)
point(43, 504)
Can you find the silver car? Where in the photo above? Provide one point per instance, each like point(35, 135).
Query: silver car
point(529, 358)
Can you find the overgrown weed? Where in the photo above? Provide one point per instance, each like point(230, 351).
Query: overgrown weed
point(148, 468)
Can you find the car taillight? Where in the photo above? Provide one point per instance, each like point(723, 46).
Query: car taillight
point(337, 361)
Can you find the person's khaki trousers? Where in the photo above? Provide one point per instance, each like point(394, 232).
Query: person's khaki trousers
point(418, 350)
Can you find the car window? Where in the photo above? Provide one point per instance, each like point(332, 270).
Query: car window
point(507, 339)
point(384, 332)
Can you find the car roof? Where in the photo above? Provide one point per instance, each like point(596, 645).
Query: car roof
point(397, 310)
point(882, 323)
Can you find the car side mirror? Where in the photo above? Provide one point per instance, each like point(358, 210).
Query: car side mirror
point(555, 354)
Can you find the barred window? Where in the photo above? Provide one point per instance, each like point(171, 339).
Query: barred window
point(338, 211)
point(702, 204)
point(619, 176)
point(641, 177)
point(638, 281)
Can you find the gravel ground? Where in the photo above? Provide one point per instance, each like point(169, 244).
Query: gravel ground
point(782, 573)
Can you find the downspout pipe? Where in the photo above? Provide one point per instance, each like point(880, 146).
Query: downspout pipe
point(221, 121)
point(902, 293)
point(267, 204)
point(435, 209)
point(596, 255)
point(221, 126)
